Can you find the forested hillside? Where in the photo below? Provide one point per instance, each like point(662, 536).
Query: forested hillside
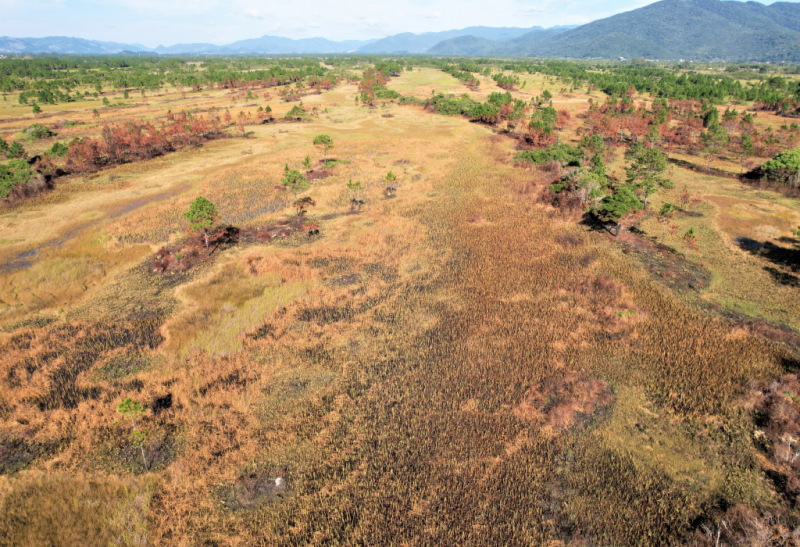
point(670, 29)
point(409, 42)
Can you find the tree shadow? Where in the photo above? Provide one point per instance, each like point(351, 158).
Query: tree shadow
point(791, 364)
point(783, 278)
point(594, 224)
point(787, 258)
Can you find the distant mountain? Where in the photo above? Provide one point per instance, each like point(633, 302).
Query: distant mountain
point(266, 44)
point(474, 46)
point(209, 49)
point(64, 45)
point(464, 45)
point(407, 42)
point(673, 29)
point(668, 29)
point(275, 44)
point(421, 43)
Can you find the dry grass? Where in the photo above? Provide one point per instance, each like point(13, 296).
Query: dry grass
point(457, 365)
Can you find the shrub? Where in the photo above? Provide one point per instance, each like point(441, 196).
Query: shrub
point(506, 82)
point(389, 68)
point(500, 99)
point(16, 172)
point(58, 149)
point(383, 93)
point(296, 113)
point(293, 180)
point(452, 106)
point(544, 119)
point(593, 144)
point(560, 152)
point(16, 150)
point(784, 168)
point(485, 112)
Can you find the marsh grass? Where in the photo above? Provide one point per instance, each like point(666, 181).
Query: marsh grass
point(380, 369)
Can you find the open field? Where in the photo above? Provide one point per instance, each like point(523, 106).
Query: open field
point(460, 364)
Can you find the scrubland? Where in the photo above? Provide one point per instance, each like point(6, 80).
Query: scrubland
point(457, 365)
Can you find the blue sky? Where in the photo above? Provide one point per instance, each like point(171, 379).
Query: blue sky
point(167, 22)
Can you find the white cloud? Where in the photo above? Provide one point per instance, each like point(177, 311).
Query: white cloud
point(253, 14)
point(533, 10)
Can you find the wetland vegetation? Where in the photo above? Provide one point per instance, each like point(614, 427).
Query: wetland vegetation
point(397, 300)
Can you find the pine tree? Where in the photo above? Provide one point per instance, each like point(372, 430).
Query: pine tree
point(645, 172)
point(619, 207)
point(325, 142)
point(16, 150)
point(201, 216)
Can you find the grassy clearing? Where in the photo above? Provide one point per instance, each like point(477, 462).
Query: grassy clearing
point(731, 221)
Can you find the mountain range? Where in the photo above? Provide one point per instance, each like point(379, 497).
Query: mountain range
point(668, 29)
point(64, 45)
point(423, 43)
point(406, 42)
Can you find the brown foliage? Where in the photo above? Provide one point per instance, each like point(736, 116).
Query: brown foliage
point(137, 141)
point(20, 192)
point(568, 400)
point(741, 525)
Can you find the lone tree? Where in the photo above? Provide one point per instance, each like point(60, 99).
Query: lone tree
point(645, 171)
point(293, 180)
point(391, 185)
point(745, 149)
point(201, 216)
point(302, 204)
point(689, 242)
point(619, 207)
point(664, 216)
point(714, 141)
point(355, 194)
point(37, 109)
point(132, 410)
point(325, 142)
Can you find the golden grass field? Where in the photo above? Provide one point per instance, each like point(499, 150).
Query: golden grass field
point(391, 371)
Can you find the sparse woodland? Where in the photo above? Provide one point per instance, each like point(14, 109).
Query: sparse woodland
point(398, 301)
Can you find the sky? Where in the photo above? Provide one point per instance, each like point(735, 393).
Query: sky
point(168, 22)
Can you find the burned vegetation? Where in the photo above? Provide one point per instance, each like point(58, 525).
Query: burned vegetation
point(449, 334)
